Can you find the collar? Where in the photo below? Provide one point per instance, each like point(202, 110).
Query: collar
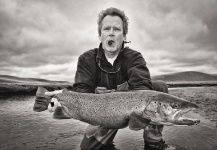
point(100, 52)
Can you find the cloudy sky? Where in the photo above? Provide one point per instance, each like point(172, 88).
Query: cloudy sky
point(44, 38)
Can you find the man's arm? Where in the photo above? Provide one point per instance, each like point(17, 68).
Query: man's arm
point(138, 73)
point(84, 77)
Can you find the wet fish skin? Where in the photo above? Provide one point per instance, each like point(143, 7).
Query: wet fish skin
point(116, 110)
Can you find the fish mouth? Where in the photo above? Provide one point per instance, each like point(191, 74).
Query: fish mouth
point(184, 121)
point(110, 43)
point(179, 119)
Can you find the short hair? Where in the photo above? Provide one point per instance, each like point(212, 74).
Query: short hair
point(113, 12)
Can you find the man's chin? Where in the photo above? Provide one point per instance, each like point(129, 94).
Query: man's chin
point(111, 50)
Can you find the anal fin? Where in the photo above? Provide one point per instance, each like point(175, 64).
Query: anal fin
point(61, 112)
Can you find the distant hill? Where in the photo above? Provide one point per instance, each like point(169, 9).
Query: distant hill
point(188, 79)
point(186, 76)
point(10, 85)
point(13, 79)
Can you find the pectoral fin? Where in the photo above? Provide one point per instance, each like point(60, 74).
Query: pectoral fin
point(137, 121)
point(61, 112)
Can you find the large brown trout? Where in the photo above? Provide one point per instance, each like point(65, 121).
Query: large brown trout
point(117, 110)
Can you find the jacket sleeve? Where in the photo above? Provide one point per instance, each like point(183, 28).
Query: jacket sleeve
point(84, 77)
point(138, 73)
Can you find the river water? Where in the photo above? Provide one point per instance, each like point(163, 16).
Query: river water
point(21, 128)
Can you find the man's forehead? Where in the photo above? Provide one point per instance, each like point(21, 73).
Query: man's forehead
point(112, 20)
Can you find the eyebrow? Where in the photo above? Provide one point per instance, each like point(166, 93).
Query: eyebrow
point(108, 26)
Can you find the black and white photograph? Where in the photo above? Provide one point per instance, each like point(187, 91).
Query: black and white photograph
point(108, 75)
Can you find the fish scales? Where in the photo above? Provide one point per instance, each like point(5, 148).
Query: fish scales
point(108, 110)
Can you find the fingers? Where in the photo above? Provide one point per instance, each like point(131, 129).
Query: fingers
point(53, 92)
point(101, 90)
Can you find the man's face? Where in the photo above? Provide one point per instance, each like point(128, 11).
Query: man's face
point(112, 35)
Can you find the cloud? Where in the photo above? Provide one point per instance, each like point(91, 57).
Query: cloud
point(60, 72)
point(175, 32)
point(45, 38)
point(35, 33)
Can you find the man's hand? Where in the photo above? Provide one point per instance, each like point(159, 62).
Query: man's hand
point(101, 90)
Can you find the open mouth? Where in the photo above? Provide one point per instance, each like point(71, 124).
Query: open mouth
point(178, 119)
point(110, 42)
point(184, 121)
point(181, 120)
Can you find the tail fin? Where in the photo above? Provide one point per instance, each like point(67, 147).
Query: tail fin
point(41, 101)
point(41, 92)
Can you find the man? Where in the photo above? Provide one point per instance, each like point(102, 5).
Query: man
point(115, 67)
point(112, 67)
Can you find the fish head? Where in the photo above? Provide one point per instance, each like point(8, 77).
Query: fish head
point(170, 110)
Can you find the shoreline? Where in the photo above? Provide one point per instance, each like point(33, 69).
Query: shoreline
point(31, 88)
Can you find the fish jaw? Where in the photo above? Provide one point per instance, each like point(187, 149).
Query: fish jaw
point(184, 121)
point(178, 119)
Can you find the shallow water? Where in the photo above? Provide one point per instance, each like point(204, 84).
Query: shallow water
point(22, 128)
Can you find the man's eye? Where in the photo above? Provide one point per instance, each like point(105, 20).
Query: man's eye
point(117, 29)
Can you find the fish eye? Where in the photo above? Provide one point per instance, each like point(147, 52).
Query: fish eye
point(175, 105)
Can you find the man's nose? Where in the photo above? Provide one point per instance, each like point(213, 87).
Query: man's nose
point(111, 32)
